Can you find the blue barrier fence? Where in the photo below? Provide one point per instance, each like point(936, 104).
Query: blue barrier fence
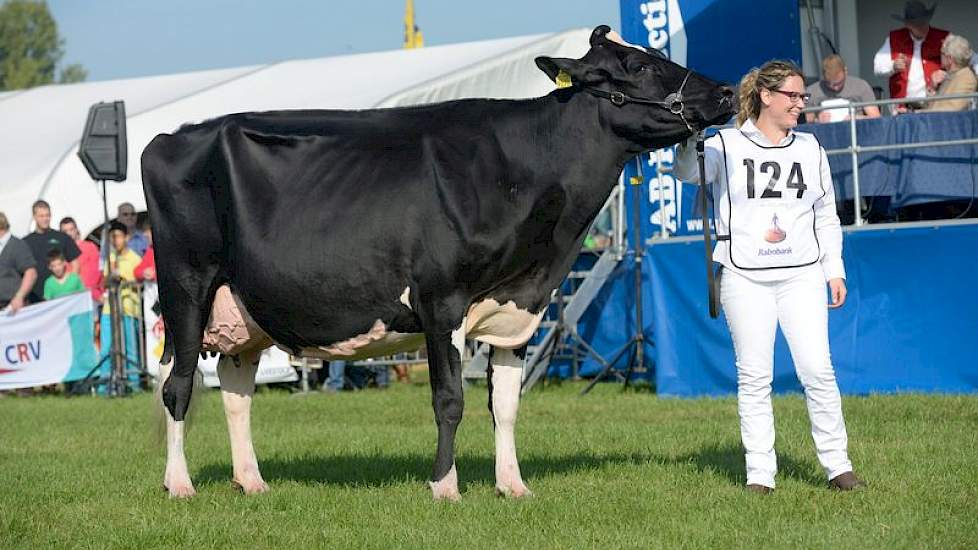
point(909, 323)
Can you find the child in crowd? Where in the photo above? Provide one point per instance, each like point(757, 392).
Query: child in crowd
point(61, 282)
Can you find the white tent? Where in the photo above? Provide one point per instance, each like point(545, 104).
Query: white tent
point(40, 128)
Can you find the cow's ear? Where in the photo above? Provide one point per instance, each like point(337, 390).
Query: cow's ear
point(578, 71)
point(598, 34)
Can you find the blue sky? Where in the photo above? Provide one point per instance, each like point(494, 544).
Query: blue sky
point(130, 38)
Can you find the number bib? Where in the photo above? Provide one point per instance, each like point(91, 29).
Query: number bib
point(771, 195)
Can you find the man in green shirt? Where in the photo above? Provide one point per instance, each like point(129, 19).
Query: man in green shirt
point(61, 282)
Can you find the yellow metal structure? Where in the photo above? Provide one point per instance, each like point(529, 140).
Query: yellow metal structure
point(412, 34)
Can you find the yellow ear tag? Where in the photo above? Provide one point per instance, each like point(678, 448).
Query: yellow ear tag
point(563, 80)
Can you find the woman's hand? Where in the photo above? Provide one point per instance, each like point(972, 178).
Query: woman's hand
point(837, 289)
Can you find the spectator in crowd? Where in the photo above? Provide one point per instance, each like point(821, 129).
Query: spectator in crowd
point(380, 374)
point(911, 54)
point(61, 282)
point(335, 380)
point(358, 376)
point(403, 372)
point(957, 76)
point(88, 268)
point(122, 265)
point(126, 215)
point(146, 270)
point(17, 269)
point(41, 241)
point(838, 87)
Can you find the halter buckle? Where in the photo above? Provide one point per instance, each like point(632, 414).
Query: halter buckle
point(617, 98)
point(674, 102)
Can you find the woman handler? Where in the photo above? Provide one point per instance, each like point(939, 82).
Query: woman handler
point(779, 241)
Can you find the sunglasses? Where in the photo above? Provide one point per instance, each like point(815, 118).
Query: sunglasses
point(795, 96)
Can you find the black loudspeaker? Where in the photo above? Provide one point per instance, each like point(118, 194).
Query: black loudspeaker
point(103, 145)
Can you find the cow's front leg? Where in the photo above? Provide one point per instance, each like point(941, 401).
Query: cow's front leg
point(237, 388)
point(445, 372)
point(505, 381)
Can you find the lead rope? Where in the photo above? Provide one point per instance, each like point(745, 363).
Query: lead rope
point(711, 279)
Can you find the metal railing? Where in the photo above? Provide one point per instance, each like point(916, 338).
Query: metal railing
point(855, 149)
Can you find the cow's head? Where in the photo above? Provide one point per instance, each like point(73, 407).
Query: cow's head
point(648, 99)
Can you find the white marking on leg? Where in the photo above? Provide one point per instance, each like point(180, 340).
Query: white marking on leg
point(237, 388)
point(176, 477)
point(406, 297)
point(507, 375)
point(458, 339)
point(447, 487)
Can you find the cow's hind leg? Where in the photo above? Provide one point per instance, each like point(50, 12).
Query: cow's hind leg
point(185, 310)
point(505, 380)
point(237, 389)
point(176, 477)
point(445, 371)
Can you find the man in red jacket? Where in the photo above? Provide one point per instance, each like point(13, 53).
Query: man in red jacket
point(911, 54)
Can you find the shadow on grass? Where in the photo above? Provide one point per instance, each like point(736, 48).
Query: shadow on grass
point(375, 470)
point(728, 461)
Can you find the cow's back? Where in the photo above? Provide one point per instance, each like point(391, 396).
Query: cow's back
point(322, 219)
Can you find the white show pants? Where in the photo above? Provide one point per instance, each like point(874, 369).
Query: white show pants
point(753, 310)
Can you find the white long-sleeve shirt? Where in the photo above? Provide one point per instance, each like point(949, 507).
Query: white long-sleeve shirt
point(828, 229)
point(916, 82)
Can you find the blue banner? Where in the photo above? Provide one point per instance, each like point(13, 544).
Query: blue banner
point(908, 323)
point(722, 39)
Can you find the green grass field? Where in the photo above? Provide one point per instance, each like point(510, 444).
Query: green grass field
point(609, 470)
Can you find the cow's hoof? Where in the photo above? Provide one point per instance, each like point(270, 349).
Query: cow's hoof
point(178, 485)
point(255, 486)
point(180, 490)
point(513, 490)
point(447, 487)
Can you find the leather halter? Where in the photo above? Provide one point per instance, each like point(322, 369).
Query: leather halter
point(673, 102)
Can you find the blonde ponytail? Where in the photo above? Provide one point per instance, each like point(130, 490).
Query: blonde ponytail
point(770, 76)
point(749, 96)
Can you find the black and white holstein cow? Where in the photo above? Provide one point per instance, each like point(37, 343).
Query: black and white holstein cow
point(351, 234)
